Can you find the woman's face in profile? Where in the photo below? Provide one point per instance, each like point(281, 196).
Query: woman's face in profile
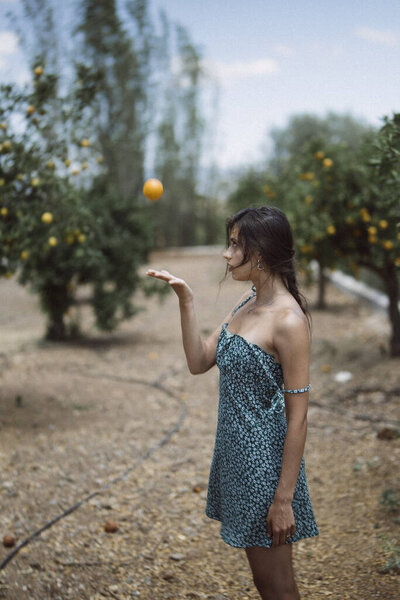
point(234, 255)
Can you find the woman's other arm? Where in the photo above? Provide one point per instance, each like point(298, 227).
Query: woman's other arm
point(292, 343)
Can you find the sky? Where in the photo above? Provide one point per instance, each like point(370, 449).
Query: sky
point(276, 58)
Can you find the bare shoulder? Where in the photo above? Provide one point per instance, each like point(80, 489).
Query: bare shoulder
point(291, 326)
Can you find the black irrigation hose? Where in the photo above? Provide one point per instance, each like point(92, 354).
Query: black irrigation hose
point(144, 457)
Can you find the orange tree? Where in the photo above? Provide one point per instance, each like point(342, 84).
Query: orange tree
point(346, 211)
point(370, 231)
point(60, 225)
point(315, 189)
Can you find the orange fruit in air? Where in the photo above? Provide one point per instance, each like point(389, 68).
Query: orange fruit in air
point(153, 189)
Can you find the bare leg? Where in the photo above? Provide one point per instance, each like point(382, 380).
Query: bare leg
point(273, 574)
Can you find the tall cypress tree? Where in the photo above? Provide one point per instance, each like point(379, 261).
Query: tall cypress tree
point(121, 65)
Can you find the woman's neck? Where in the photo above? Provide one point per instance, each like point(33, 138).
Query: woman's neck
point(268, 288)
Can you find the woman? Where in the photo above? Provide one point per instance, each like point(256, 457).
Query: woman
point(257, 484)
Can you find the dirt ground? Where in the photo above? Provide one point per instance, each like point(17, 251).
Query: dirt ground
point(119, 418)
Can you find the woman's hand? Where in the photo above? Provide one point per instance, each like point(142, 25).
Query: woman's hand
point(180, 287)
point(280, 522)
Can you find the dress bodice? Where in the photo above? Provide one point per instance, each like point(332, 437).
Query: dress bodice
point(246, 363)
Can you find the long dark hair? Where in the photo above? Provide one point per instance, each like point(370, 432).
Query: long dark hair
point(266, 230)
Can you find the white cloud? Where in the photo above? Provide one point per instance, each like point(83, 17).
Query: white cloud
point(376, 36)
point(8, 42)
point(283, 50)
point(236, 71)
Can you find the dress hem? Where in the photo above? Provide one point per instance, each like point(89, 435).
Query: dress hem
point(264, 546)
point(304, 537)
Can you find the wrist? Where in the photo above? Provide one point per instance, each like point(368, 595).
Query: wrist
point(184, 302)
point(283, 498)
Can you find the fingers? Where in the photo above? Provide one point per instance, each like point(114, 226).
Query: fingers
point(269, 527)
point(279, 536)
point(163, 274)
point(154, 272)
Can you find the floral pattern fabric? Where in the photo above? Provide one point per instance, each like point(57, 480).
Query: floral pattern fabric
point(250, 435)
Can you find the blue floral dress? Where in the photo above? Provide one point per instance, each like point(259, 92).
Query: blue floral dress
point(247, 458)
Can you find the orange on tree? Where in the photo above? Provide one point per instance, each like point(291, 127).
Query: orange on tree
point(31, 109)
point(387, 244)
point(47, 218)
point(52, 241)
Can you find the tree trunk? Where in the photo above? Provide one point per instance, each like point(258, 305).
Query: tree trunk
point(392, 290)
point(55, 303)
point(56, 329)
point(322, 280)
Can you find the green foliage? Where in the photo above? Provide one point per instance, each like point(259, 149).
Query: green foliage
point(249, 191)
point(392, 548)
point(77, 157)
point(338, 183)
point(390, 500)
point(62, 223)
point(185, 216)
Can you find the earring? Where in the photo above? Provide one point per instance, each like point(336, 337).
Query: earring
point(258, 266)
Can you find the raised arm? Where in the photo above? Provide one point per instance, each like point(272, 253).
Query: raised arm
point(200, 354)
point(209, 346)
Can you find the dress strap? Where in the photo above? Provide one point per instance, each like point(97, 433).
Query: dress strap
point(298, 391)
point(243, 302)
